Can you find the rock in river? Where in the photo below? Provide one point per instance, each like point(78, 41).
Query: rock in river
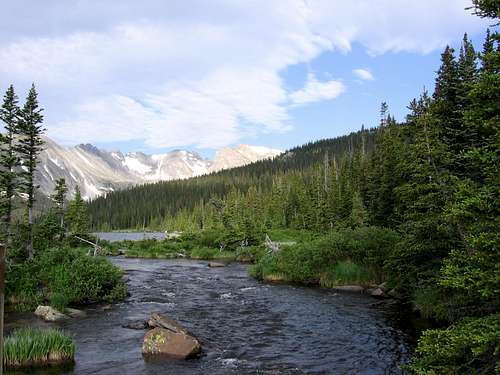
point(169, 338)
point(377, 293)
point(216, 264)
point(349, 288)
point(49, 314)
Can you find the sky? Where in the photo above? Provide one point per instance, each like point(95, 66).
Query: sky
point(156, 75)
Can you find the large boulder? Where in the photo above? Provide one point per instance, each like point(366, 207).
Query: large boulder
point(157, 320)
point(49, 314)
point(169, 338)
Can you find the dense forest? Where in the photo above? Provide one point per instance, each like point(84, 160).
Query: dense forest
point(149, 204)
point(431, 182)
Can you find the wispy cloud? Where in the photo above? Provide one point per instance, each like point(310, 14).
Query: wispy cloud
point(315, 91)
point(363, 74)
point(198, 73)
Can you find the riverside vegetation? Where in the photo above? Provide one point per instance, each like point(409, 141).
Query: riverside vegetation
point(414, 204)
point(45, 263)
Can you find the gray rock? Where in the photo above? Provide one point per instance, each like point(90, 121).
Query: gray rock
point(216, 264)
point(378, 293)
point(349, 288)
point(157, 320)
point(160, 341)
point(49, 314)
point(138, 325)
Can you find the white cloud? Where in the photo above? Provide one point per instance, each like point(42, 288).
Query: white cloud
point(315, 91)
point(363, 74)
point(198, 73)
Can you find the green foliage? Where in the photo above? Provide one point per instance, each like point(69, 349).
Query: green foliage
point(77, 216)
point(64, 276)
point(347, 272)
point(9, 161)
point(29, 347)
point(469, 347)
point(343, 256)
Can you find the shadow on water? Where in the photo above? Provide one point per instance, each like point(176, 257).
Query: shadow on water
point(246, 327)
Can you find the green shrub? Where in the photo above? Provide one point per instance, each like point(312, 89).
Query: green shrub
point(28, 347)
point(343, 256)
point(62, 277)
point(470, 347)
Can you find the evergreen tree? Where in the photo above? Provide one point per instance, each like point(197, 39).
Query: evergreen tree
point(30, 144)
point(77, 216)
point(359, 214)
point(9, 115)
point(59, 199)
point(446, 95)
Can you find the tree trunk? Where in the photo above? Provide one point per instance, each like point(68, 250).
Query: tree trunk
point(29, 248)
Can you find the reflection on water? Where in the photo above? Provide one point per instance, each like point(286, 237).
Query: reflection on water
point(129, 236)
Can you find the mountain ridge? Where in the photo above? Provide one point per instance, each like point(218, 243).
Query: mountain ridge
point(97, 171)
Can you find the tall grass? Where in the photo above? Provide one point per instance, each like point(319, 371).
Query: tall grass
point(28, 347)
point(345, 273)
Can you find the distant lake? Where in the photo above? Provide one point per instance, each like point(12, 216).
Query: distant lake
point(129, 236)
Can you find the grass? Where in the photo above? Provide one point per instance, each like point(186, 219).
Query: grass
point(347, 273)
point(29, 347)
point(208, 253)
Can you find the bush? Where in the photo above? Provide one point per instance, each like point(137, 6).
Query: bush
point(63, 277)
point(343, 256)
point(28, 347)
point(470, 347)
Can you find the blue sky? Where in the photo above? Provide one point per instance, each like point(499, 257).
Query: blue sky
point(155, 76)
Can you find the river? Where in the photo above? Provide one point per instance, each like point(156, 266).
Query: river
point(246, 327)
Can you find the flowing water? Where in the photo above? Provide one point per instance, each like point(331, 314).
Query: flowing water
point(245, 327)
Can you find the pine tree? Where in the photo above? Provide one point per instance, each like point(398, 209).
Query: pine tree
point(59, 199)
point(77, 216)
point(359, 214)
point(30, 144)
point(445, 106)
point(9, 115)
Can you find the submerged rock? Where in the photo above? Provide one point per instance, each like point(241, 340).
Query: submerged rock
point(169, 338)
point(139, 325)
point(216, 264)
point(49, 314)
point(74, 313)
point(349, 288)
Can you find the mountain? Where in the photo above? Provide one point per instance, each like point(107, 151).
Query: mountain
point(98, 171)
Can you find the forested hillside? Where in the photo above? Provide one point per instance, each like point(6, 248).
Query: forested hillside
point(152, 204)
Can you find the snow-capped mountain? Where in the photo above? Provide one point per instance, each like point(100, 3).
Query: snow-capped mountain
point(97, 171)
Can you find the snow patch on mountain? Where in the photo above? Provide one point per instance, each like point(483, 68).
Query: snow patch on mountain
point(98, 172)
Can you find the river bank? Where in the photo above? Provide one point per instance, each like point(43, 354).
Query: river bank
point(245, 326)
